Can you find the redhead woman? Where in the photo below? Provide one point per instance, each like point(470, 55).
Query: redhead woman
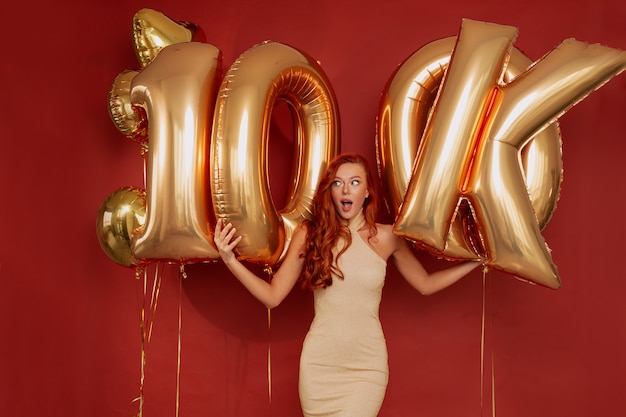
point(341, 254)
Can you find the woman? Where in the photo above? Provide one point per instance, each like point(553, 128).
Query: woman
point(341, 254)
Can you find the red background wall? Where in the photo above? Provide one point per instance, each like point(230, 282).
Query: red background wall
point(69, 316)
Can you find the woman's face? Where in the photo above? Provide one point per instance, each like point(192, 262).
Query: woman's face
point(349, 189)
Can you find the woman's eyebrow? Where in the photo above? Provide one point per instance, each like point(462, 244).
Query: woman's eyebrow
point(349, 178)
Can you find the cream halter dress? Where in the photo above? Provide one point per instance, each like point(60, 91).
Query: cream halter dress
point(343, 366)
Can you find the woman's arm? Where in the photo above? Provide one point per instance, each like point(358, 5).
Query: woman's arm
point(269, 293)
point(424, 282)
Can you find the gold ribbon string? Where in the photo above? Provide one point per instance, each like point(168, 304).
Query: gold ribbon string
point(269, 360)
point(493, 387)
point(482, 346)
point(146, 323)
point(183, 275)
point(270, 274)
point(482, 352)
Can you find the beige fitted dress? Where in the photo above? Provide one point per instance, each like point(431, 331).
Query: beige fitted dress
point(343, 365)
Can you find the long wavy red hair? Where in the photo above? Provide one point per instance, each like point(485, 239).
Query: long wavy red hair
point(325, 227)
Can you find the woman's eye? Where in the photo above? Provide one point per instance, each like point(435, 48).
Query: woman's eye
point(336, 183)
point(356, 182)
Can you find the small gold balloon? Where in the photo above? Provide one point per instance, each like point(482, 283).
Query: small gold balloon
point(118, 217)
point(153, 31)
point(129, 120)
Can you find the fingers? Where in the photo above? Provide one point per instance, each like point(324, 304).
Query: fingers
point(218, 226)
point(223, 236)
point(234, 243)
point(224, 232)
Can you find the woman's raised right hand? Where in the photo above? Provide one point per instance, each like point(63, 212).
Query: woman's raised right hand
point(223, 238)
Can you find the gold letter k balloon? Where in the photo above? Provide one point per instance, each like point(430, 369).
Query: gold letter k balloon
point(472, 143)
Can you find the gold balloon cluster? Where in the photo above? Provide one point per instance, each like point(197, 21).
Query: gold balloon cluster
point(205, 139)
point(152, 31)
point(468, 145)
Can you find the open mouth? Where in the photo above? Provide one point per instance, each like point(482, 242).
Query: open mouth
point(346, 205)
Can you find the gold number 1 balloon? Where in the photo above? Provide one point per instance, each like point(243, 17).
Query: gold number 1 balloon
point(177, 91)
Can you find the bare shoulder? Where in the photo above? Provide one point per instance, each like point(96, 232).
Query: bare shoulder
point(385, 231)
point(385, 242)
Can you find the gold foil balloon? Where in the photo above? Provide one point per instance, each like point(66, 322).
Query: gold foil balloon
point(406, 104)
point(129, 120)
point(523, 107)
point(477, 131)
point(177, 92)
point(118, 218)
point(153, 31)
point(266, 73)
point(404, 110)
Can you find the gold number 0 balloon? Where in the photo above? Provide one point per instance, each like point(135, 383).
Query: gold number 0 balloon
point(240, 191)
